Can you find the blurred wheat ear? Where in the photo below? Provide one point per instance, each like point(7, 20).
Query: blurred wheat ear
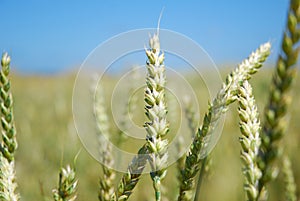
point(130, 106)
point(274, 124)
point(8, 146)
point(106, 187)
point(290, 184)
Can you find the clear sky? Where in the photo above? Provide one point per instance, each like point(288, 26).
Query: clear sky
point(46, 36)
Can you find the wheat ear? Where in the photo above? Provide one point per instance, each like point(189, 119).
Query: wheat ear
point(274, 123)
point(219, 106)
point(67, 185)
point(8, 146)
point(133, 174)
point(190, 115)
point(290, 184)
point(250, 140)
point(106, 187)
point(8, 183)
point(130, 106)
point(9, 141)
point(156, 111)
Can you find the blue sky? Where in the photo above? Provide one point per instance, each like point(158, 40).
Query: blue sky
point(48, 36)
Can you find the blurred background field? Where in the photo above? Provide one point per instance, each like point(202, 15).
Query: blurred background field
point(47, 38)
point(48, 139)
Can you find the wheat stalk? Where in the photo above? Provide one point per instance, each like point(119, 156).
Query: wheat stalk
point(67, 185)
point(219, 106)
point(274, 123)
point(8, 146)
point(205, 171)
point(250, 140)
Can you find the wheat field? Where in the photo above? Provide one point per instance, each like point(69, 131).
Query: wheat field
point(48, 139)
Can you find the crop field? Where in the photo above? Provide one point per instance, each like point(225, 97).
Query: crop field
point(48, 139)
point(172, 126)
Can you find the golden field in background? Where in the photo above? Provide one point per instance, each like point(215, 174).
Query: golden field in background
point(47, 140)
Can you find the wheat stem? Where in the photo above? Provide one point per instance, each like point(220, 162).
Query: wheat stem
point(200, 179)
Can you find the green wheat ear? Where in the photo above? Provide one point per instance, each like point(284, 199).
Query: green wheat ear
point(274, 123)
point(217, 108)
point(132, 176)
point(67, 185)
point(9, 142)
point(8, 146)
